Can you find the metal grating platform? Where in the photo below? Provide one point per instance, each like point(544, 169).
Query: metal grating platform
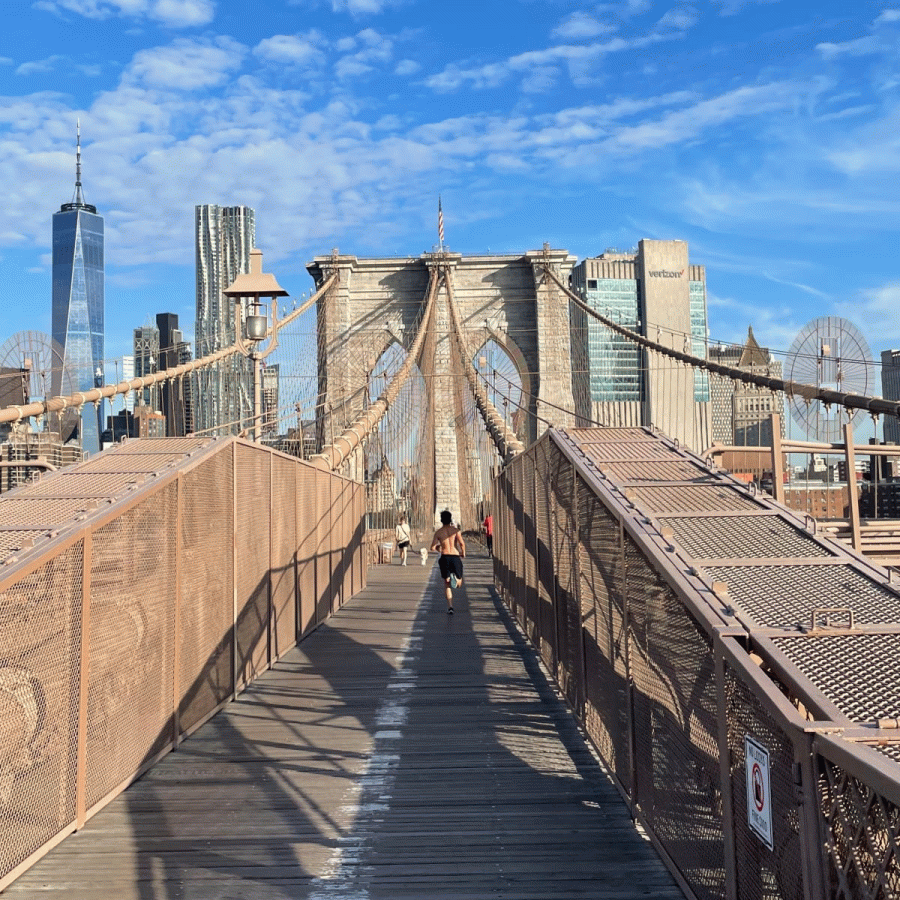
point(736, 537)
point(859, 673)
point(710, 498)
point(785, 596)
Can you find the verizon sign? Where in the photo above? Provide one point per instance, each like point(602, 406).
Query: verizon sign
point(666, 273)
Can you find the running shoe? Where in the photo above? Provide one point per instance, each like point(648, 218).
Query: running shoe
point(453, 580)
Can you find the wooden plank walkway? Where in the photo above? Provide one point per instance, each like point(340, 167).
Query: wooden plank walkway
point(398, 752)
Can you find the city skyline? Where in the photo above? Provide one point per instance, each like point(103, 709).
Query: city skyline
point(760, 133)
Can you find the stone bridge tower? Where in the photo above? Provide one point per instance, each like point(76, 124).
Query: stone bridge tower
point(377, 302)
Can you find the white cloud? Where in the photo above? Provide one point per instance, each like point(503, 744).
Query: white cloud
point(876, 307)
point(579, 25)
point(733, 7)
point(578, 59)
point(377, 50)
point(172, 13)
point(185, 65)
point(888, 15)
point(680, 18)
point(358, 7)
point(40, 66)
point(407, 67)
point(305, 50)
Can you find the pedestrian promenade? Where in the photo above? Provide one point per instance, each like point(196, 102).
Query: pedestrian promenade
point(398, 752)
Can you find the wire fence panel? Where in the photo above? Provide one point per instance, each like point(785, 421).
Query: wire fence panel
point(861, 825)
point(563, 539)
point(283, 570)
point(123, 631)
point(544, 613)
point(308, 535)
point(739, 670)
point(131, 650)
point(763, 873)
point(253, 527)
point(40, 648)
point(601, 587)
point(207, 607)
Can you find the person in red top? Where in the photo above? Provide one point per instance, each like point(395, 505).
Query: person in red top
point(488, 528)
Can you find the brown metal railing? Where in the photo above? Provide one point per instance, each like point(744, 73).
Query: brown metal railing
point(682, 616)
point(139, 592)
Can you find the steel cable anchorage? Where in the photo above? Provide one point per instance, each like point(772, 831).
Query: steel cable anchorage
point(508, 445)
point(334, 456)
point(874, 405)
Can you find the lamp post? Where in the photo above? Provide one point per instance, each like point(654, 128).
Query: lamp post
point(255, 285)
point(98, 382)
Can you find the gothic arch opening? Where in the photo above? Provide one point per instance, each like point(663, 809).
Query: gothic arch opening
point(399, 455)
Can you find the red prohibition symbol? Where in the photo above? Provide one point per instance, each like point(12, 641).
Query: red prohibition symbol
point(758, 799)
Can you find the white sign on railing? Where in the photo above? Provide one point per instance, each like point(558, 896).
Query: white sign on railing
point(759, 794)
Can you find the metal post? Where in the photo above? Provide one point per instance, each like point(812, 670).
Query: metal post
point(257, 397)
point(777, 459)
point(855, 531)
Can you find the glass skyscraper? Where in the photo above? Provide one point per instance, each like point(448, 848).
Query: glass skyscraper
point(655, 292)
point(78, 301)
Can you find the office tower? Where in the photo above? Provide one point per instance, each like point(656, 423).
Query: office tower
point(890, 390)
point(146, 362)
point(224, 394)
point(655, 292)
point(741, 413)
point(78, 299)
point(175, 396)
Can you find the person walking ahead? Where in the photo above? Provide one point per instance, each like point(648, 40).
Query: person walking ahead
point(450, 544)
point(402, 534)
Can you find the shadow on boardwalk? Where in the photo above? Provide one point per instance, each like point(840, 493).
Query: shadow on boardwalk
point(398, 752)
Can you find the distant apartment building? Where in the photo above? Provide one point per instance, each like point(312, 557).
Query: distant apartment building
point(77, 302)
point(223, 394)
point(176, 397)
point(890, 390)
point(655, 292)
point(741, 412)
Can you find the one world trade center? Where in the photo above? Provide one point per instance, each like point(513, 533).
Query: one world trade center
point(78, 301)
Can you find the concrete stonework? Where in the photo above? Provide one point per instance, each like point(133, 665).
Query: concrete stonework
point(505, 298)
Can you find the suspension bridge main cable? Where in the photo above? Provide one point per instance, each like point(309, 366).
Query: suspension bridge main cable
point(873, 405)
point(78, 399)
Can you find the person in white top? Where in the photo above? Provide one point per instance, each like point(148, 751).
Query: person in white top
point(402, 534)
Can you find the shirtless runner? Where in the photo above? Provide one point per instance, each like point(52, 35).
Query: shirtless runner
point(449, 543)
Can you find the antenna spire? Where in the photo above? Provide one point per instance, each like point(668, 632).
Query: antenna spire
point(79, 197)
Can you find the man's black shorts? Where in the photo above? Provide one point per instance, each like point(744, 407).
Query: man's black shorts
point(403, 544)
point(450, 563)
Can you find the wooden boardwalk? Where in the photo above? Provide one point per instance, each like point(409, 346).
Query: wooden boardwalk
point(398, 752)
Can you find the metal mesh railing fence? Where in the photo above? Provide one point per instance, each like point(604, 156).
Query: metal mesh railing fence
point(716, 743)
point(126, 625)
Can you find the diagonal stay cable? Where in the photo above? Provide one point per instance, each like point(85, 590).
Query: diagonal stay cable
point(508, 445)
point(334, 456)
point(874, 405)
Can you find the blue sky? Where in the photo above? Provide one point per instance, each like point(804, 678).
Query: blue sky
point(763, 132)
